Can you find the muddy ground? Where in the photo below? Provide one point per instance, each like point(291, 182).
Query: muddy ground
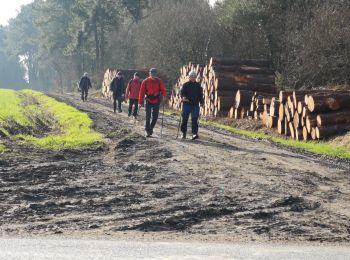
point(221, 186)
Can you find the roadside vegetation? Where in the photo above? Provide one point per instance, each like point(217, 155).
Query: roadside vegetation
point(33, 117)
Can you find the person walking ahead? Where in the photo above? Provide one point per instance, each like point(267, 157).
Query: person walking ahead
point(132, 93)
point(117, 87)
point(192, 97)
point(84, 86)
point(154, 90)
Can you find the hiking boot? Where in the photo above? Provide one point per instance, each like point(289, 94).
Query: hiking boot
point(183, 136)
point(119, 111)
point(195, 137)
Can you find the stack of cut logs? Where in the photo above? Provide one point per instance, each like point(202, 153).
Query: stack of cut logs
point(128, 74)
point(175, 99)
point(313, 114)
point(222, 78)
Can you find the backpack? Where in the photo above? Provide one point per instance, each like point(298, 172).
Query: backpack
point(153, 97)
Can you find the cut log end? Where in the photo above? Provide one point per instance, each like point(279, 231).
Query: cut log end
point(306, 134)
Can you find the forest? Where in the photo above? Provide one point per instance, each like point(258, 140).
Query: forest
point(51, 43)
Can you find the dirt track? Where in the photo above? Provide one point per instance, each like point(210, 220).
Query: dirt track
point(221, 185)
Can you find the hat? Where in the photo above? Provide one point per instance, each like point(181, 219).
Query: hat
point(192, 74)
point(85, 74)
point(153, 71)
point(136, 74)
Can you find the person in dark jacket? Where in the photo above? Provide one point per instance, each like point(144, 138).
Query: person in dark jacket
point(84, 86)
point(153, 89)
point(132, 93)
point(192, 98)
point(118, 88)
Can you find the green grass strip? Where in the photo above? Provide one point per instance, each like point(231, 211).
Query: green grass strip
point(11, 109)
point(75, 125)
point(251, 134)
point(315, 147)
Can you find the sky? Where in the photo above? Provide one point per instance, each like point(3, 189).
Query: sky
point(10, 8)
point(212, 1)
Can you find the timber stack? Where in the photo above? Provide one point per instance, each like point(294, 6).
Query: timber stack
point(302, 115)
point(128, 74)
point(222, 78)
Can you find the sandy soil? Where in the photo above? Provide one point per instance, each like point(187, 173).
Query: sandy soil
point(221, 187)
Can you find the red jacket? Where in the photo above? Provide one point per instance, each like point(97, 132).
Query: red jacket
point(152, 88)
point(133, 89)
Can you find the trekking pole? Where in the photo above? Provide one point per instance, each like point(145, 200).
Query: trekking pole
point(178, 127)
point(161, 129)
point(180, 121)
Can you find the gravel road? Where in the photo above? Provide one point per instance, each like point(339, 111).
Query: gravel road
point(221, 187)
point(61, 249)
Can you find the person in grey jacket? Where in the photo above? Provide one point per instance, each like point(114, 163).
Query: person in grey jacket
point(118, 88)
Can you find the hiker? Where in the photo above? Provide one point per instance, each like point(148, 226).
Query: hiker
point(117, 87)
point(84, 86)
point(192, 98)
point(132, 93)
point(154, 90)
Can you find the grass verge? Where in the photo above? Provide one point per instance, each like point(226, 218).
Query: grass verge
point(322, 148)
point(11, 109)
point(72, 127)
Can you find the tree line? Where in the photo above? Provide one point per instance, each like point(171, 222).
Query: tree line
point(51, 43)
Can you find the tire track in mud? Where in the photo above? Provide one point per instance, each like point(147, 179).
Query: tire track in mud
point(219, 185)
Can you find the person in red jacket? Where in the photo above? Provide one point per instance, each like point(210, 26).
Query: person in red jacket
point(132, 93)
point(154, 90)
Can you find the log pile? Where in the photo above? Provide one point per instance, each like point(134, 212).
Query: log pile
point(222, 78)
point(128, 74)
point(302, 115)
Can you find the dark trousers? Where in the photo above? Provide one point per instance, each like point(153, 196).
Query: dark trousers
point(133, 103)
point(84, 93)
point(152, 112)
point(186, 111)
point(119, 100)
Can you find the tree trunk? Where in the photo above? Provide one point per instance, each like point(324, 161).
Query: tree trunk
point(97, 45)
point(229, 62)
point(243, 98)
point(333, 118)
point(306, 134)
point(243, 69)
point(331, 102)
point(327, 131)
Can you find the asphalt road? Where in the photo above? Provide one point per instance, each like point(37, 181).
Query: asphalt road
point(34, 248)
